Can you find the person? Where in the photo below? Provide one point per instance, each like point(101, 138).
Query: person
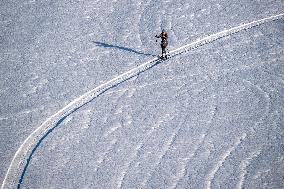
point(164, 42)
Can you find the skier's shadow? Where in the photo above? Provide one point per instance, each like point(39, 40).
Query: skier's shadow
point(101, 44)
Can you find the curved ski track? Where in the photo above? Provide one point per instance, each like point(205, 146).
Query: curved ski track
point(18, 166)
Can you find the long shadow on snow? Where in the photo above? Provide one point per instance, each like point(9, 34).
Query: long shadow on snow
point(63, 118)
point(121, 48)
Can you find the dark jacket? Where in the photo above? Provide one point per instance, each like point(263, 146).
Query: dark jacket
point(163, 35)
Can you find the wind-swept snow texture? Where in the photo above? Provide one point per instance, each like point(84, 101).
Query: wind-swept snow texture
point(208, 118)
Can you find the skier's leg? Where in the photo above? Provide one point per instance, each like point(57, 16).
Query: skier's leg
point(163, 51)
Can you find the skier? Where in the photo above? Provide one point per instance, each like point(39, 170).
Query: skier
point(164, 42)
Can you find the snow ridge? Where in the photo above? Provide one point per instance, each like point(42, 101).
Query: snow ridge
point(221, 161)
point(243, 166)
point(23, 156)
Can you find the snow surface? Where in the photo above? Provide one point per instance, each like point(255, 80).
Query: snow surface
point(212, 117)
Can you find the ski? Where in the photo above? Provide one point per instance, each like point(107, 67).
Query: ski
point(164, 57)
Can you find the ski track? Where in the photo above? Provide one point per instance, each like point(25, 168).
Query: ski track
point(219, 164)
point(166, 148)
point(244, 164)
point(102, 158)
point(126, 167)
point(183, 172)
point(17, 168)
point(265, 94)
point(185, 161)
point(115, 111)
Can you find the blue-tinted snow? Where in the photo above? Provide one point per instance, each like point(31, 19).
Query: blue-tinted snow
point(211, 117)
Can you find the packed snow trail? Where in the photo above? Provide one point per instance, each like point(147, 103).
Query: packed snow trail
point(18, 166)
point(222, 34)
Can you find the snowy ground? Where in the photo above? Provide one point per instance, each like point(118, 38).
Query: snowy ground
point(212, 117)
